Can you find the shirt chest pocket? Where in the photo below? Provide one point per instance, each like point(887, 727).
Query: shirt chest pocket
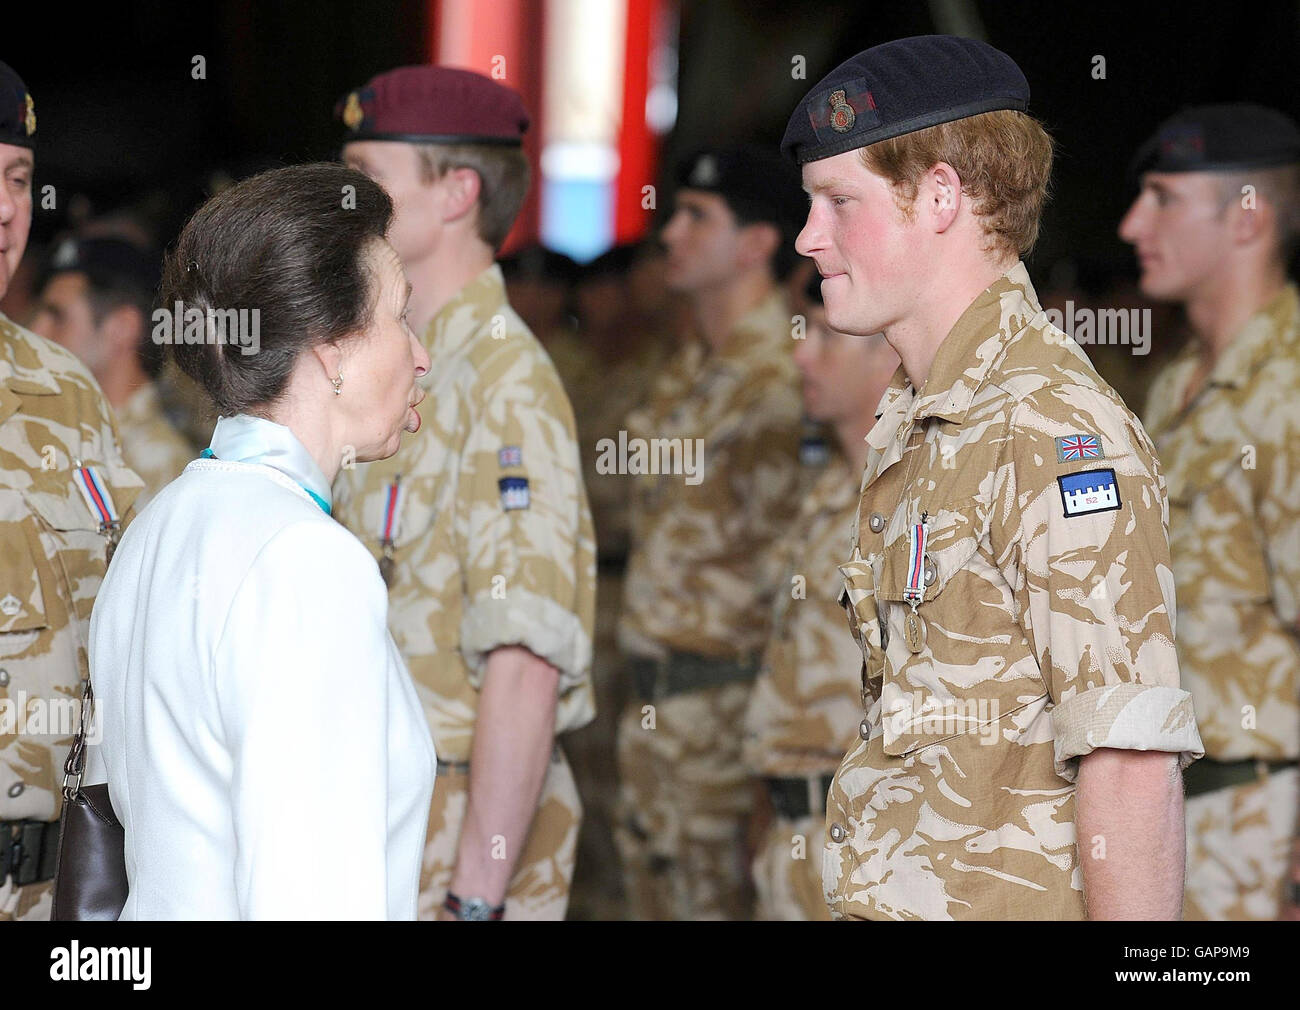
point(1212, 533)
point(24, 576)
point(52, 556)
point(951, 660)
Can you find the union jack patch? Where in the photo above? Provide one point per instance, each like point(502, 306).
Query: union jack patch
point(1072, 448)
point(510, 455)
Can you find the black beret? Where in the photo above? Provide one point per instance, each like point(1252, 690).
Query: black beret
point(105, 261)
point(1219, 138)
point(537, 263)
point(17, 112)
point(757, 183)
point(901, 87)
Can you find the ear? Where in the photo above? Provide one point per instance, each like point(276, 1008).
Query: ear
point(758, 243)
point(1248, 225)
point(330, 356)
point(461, 188)
point(941, 191)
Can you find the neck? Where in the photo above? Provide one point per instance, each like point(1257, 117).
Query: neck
point(716, 311)
point(311, 425)
point(436, 279)
point(1222, 305)
point(917, 338)
point(851, 434)
point(120, 383)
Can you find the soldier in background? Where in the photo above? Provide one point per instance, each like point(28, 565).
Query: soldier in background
point(1214, 226)
point(694, 612)
point(1009, 583)
point(65, 497)
point(480, 524)
point(96, 301)
point(804, 712)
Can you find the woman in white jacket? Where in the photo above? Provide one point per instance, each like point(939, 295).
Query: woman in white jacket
point(261, 738)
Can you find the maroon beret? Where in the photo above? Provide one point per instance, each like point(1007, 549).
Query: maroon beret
point(434, 105)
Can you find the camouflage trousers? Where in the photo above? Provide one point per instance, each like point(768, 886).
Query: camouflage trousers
point(684, 801)
point(1238, 846)
point(788, 871)
point(26, 904)
point(539, 887)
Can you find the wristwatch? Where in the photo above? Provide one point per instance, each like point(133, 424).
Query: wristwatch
point(473, 909)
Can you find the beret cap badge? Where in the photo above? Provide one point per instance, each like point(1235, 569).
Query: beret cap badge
point(842, 115)
point(29, 120)
point(353, 114)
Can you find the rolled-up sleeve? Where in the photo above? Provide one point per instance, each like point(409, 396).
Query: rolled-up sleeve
point(1097, 594)
point(524, 527)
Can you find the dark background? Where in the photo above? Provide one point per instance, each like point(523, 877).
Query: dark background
point(120, 115)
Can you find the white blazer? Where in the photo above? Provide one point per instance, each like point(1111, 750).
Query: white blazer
point(261, 737)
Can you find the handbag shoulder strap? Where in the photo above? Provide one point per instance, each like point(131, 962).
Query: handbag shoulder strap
point(75, 764)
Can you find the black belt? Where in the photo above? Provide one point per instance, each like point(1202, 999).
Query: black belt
point(687, 671)
point(28, 850)
point(1208, 775)
point(793, 798)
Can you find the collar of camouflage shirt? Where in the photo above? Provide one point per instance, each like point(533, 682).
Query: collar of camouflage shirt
point(1264, 336)
point(976, 342)
point(20, 368)
point(750, 337)
point(469, 310)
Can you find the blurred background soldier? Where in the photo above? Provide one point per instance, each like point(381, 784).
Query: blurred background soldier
point(65, 496)
point(806, 704)
point(540, 284)
point(714, 453)
point(1214, 226)
point(480, 524)
point(96, 301)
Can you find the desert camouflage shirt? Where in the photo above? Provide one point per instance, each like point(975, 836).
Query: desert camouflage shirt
point(492, 541)
point(805, 708)
point(150, 445)
point(52, 558)
point(692, 580)
point(1031, 626)
point(1232, 462)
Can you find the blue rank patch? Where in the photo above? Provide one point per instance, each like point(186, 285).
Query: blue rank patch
point(1089, 491)
point(510, 455)
point(514, 492)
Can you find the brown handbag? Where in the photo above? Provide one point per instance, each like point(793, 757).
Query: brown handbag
point(90, 870)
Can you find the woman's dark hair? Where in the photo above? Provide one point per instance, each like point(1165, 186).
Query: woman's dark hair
point(289, 243)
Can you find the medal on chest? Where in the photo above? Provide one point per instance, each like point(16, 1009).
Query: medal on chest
point(389, 523)
point(914, 591)
point(100, 502)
